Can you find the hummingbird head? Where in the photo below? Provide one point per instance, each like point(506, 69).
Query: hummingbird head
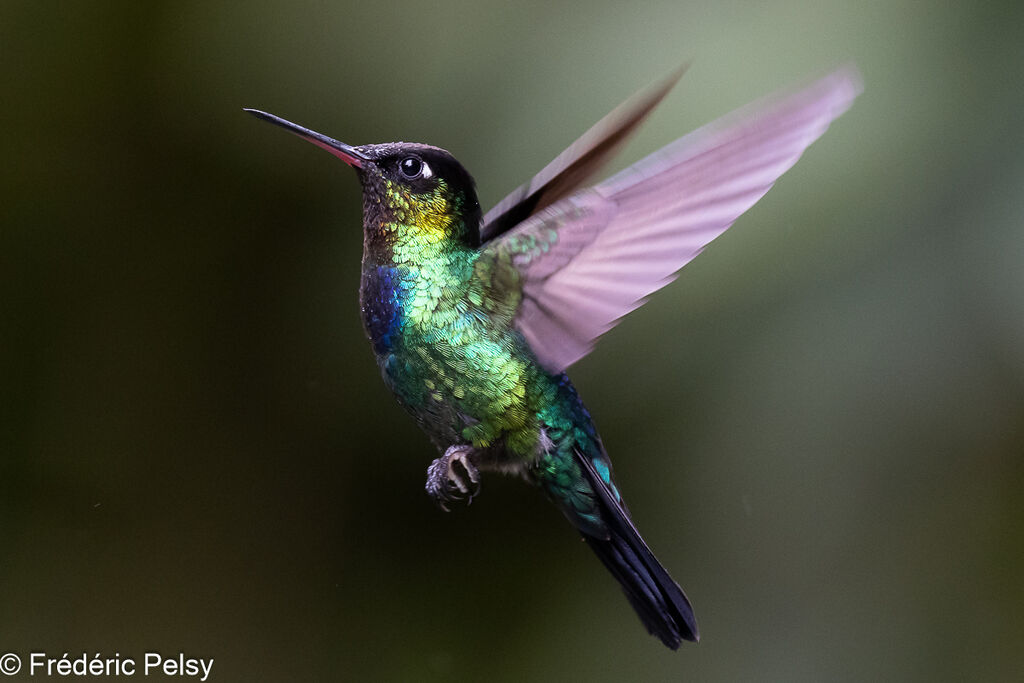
point(410, 191)
point(419, 189)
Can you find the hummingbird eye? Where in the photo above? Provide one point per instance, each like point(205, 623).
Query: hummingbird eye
point(412, 167)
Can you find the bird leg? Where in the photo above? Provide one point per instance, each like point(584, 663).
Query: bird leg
point(453, 476)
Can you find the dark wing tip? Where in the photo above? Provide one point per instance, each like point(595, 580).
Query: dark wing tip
point(579, 161)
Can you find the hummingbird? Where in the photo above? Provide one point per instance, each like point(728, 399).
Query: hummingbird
point(475, 317)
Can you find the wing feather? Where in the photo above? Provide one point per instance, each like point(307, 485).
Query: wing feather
point(578, 162)
point(590, 258)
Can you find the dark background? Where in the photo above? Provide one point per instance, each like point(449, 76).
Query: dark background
point(819, 427)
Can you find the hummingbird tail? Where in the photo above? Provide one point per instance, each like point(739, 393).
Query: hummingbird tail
point(656, 597)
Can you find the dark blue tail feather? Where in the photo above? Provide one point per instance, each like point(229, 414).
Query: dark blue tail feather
point(657, 599)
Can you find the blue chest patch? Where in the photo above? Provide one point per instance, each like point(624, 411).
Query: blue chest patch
point(382, 307)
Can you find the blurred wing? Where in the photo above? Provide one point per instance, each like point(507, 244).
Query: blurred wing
point(578, 162)
point(587, 260)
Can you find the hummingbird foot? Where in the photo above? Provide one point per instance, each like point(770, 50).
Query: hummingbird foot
point(453, 476)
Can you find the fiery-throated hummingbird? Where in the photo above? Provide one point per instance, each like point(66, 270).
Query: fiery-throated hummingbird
point(474, 318)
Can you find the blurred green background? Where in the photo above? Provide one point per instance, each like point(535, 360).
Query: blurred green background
point(819, 427)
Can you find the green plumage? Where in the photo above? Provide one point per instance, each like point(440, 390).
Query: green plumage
point(452, 355)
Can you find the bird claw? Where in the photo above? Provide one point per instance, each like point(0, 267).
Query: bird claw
point(453, 477)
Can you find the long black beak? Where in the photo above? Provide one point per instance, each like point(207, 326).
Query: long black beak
point(350, 155)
